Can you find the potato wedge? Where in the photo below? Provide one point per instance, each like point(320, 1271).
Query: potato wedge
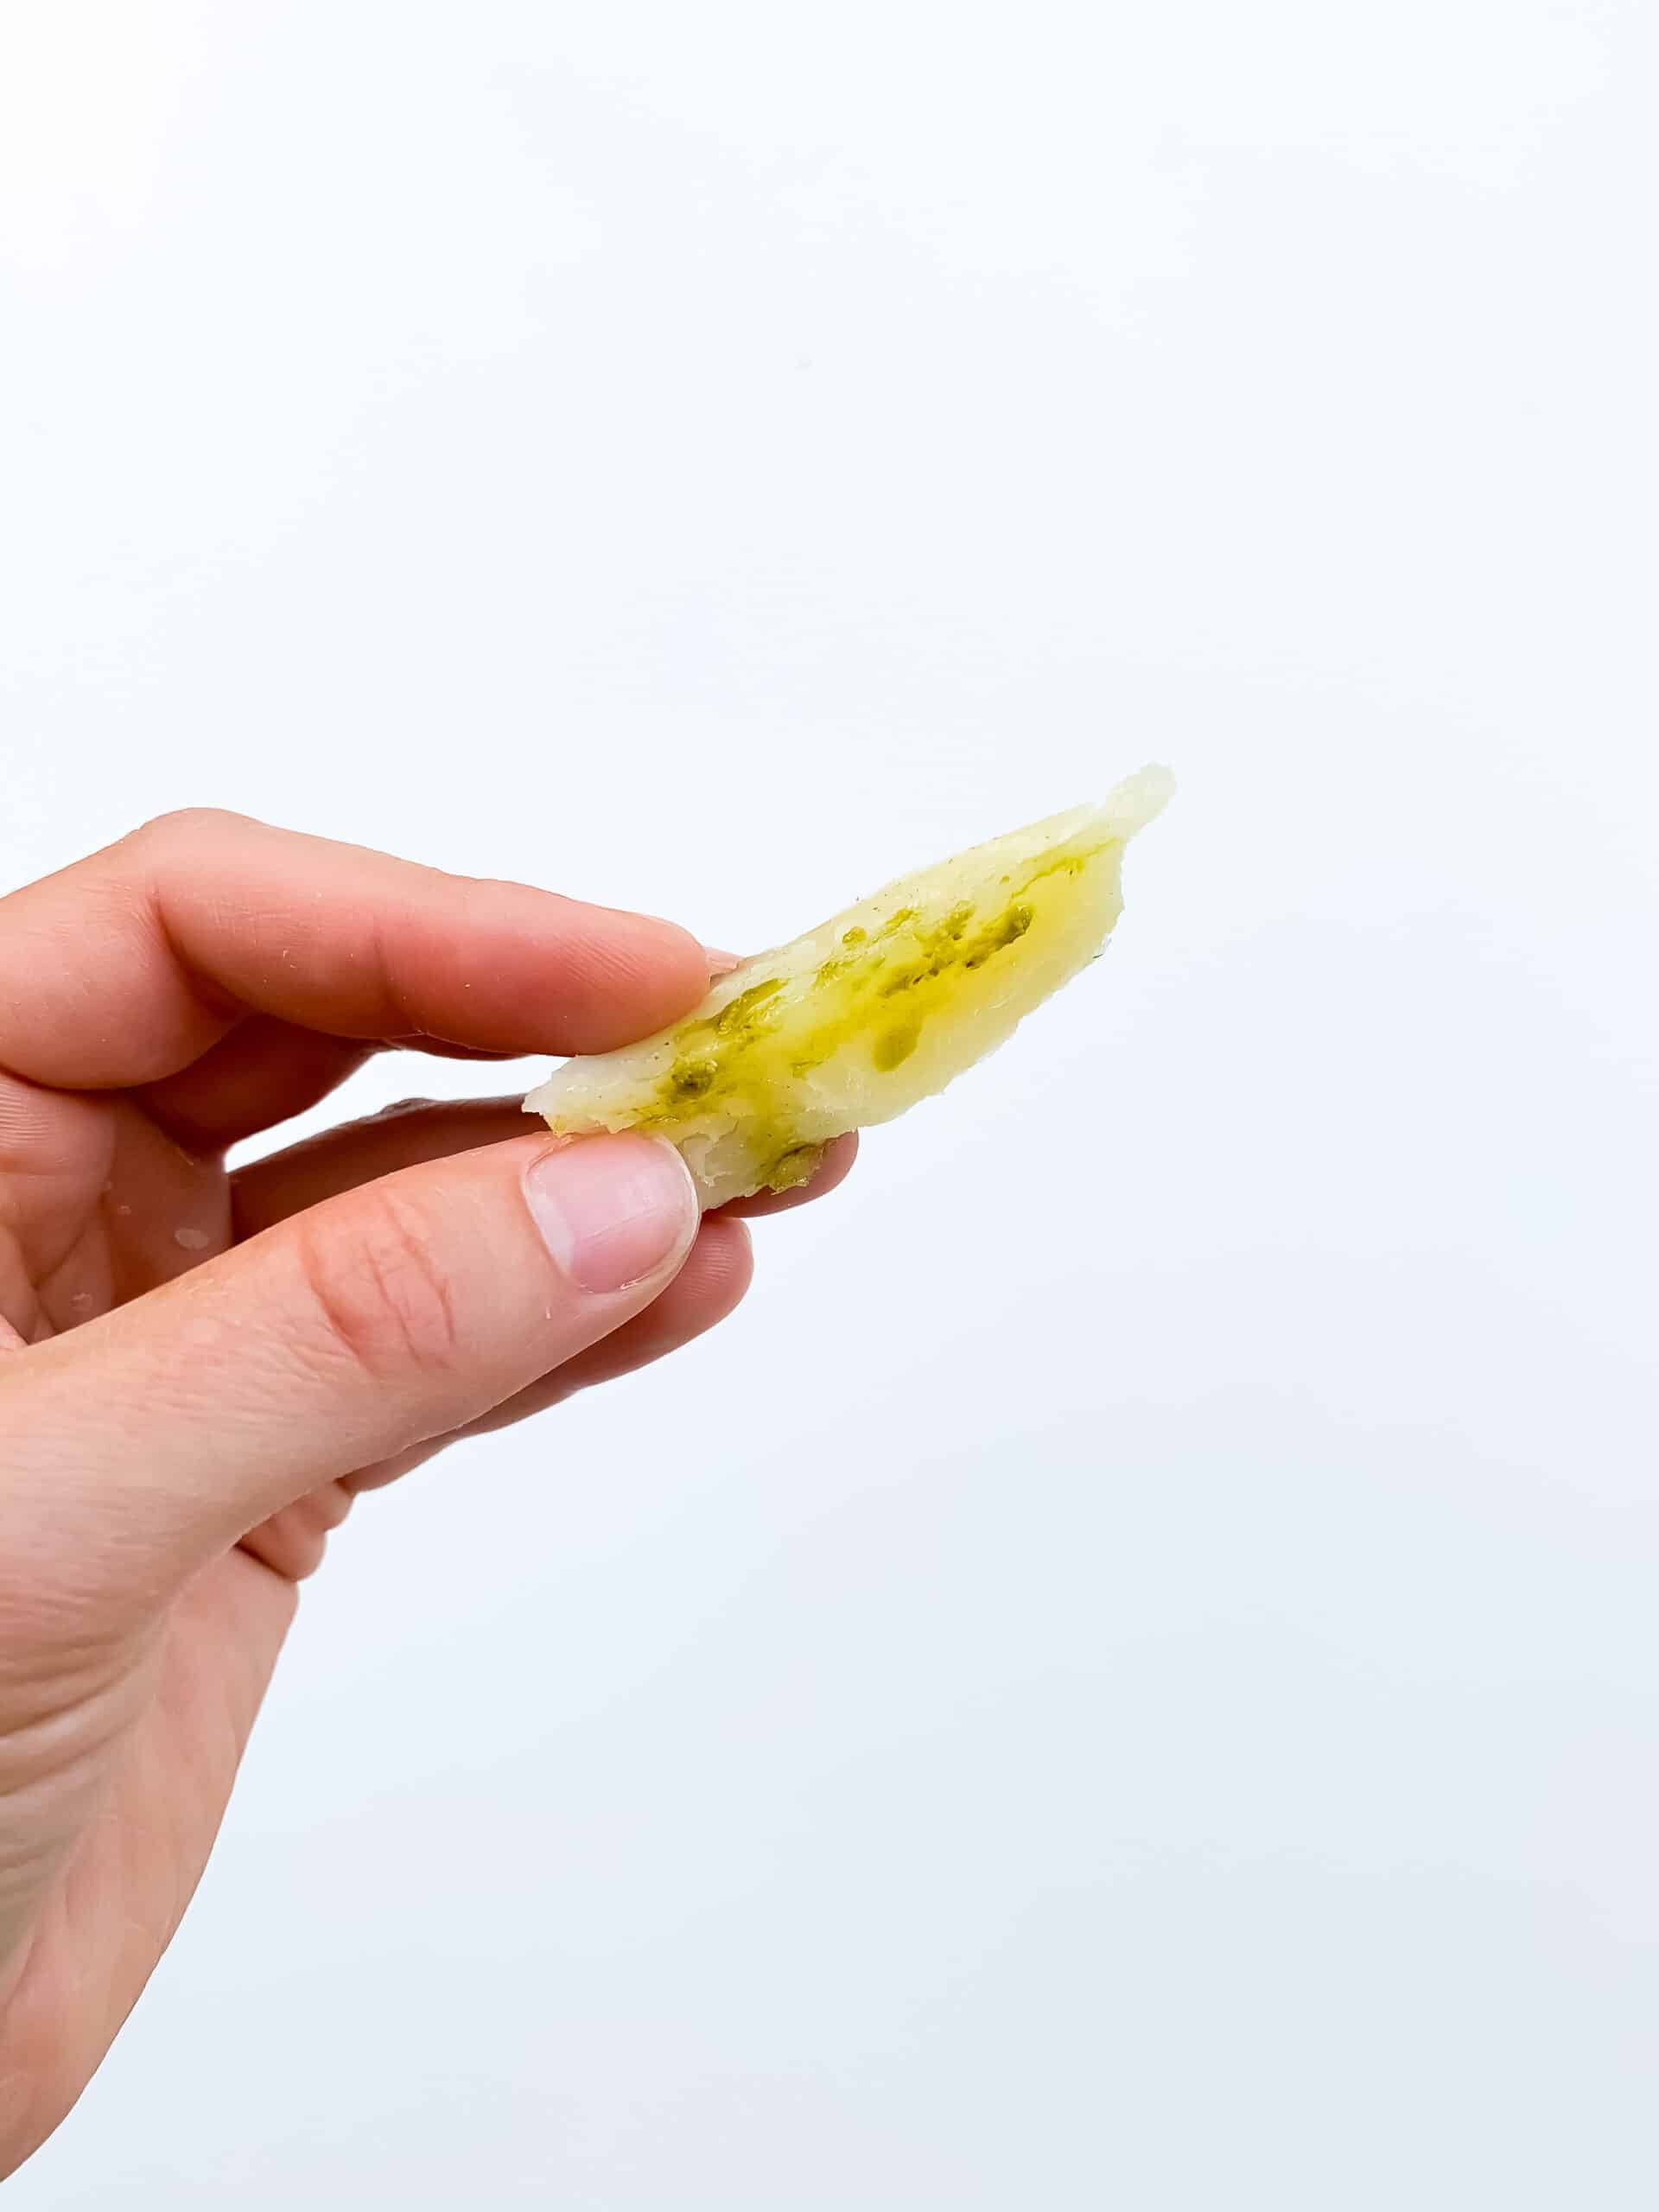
point(871, 1011)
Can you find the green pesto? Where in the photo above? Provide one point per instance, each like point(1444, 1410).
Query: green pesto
point(692, 1078)
point(743, 1010)
point(1007, 930)
point(894, 1045)
point(739, 1062)
point(797, 1166)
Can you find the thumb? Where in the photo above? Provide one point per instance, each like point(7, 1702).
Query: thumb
point(140, 1445)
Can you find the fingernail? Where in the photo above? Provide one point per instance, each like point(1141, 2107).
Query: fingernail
point(719, 963)
point(613, 1209)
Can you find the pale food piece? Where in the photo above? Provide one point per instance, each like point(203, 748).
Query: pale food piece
point(869, 1013)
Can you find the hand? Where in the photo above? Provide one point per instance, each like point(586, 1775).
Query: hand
point(200, 1370)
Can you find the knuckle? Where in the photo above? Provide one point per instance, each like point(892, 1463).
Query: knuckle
point(379, 1295)
point(186, 827)
point(400, 1109)
point(292, 1543)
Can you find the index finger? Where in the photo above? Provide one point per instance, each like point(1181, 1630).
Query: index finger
point(126, 967)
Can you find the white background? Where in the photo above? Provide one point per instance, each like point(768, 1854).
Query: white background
point(1127, 1674)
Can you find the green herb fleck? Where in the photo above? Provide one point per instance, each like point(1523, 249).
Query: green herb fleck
point(895, 1045)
